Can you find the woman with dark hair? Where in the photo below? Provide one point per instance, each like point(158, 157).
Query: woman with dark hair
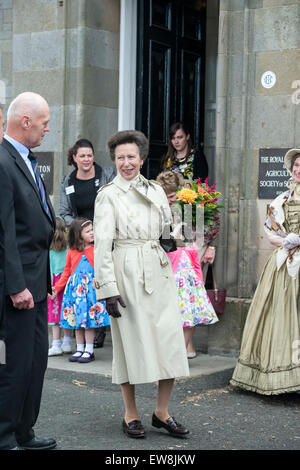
point(137, 282)
point(79, 188)
point(182, 157)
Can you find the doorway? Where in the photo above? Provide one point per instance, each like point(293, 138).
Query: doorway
point(170, 72)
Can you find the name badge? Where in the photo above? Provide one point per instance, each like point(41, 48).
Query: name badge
point(70, 189)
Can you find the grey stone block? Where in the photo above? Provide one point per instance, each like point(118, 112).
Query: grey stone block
point(100, 123)
point(276, 28)
point(21, 52)
point(35, 15)
point(48, 83)
point(275, 3)
point(6, 4)
point(104, 14)
point(47, 50)
point(263, 131)
point(38, 51)
point(83, 43)
point(101, 87)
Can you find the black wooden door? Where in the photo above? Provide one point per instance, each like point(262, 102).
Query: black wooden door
point(170, 72)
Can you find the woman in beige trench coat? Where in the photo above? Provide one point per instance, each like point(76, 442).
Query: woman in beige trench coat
point(136, 280)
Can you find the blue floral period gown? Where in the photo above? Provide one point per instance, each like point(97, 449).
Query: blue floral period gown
point(80, 308)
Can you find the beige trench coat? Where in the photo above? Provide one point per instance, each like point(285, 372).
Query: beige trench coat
point(148, 341)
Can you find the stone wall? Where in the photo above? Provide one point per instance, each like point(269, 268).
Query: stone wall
point(68, 51)
point(6, 14)
point(254, 36)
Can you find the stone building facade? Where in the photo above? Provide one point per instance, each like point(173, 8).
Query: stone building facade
point(80, 55)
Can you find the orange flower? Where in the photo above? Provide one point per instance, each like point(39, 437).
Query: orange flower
point(187, 195)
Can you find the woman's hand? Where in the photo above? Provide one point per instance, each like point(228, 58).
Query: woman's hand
point(112, 305)
point(209, 255)
point(291, 241)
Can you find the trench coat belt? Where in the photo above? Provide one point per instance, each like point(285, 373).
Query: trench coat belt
point(146, 245)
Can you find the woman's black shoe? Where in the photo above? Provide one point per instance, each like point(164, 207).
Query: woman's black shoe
point(134, 428)
point(170, 425)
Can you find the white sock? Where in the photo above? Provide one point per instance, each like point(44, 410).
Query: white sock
point(89, 348)
point(56, 343)
point(79, 350)
point(67, 340)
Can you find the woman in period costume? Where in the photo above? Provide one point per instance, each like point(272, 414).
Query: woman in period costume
point(269, 361)
point(136, 280)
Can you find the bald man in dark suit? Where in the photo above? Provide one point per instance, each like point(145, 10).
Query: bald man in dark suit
point(29, 225)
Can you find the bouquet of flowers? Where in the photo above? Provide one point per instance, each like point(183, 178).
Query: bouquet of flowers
point(201, 197)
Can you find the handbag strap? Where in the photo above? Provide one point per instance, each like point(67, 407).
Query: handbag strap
point(214, 277)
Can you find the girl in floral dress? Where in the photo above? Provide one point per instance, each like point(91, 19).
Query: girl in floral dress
point(80, 309)
point(194, 304)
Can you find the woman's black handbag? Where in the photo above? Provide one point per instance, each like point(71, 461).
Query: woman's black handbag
point(167, 243)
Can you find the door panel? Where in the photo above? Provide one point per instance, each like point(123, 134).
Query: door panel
point(159, 99)
point(170, 72)
point(190, 94)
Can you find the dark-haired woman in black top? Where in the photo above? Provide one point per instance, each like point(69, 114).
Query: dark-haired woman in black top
point(182, 157)
point(79, 188)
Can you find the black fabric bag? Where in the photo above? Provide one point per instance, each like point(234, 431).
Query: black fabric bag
point(167, 243)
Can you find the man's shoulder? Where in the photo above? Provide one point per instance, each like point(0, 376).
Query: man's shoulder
point(5, 148)
point(5, 156)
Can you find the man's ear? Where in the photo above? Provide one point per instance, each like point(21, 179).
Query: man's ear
point(25, 122)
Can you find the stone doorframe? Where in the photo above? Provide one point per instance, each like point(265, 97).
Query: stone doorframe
point(127, 71)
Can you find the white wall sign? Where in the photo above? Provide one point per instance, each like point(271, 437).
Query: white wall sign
point(268, 79)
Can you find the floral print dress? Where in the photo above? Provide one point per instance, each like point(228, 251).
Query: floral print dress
point(80, 308)
point(194, 304)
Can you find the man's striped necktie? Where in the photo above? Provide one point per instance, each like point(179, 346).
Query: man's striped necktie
point(39, 183)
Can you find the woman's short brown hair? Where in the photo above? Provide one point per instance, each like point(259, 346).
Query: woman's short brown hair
point(75, 239)
point(170, 181)
point(129, 137)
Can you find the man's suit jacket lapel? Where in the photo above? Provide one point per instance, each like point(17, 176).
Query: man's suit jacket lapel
point(20, 163)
